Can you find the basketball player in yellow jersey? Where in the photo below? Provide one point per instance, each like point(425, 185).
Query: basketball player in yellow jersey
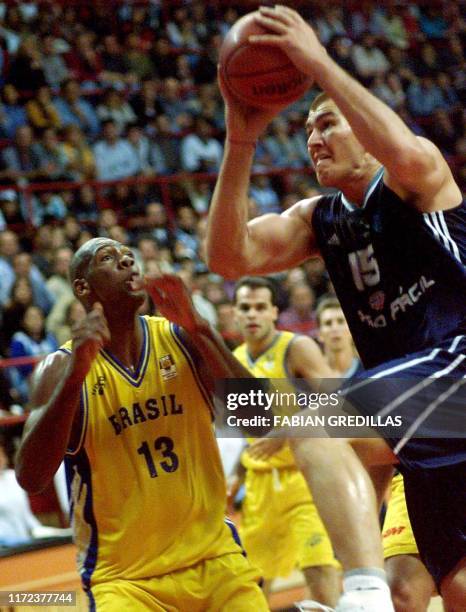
point(281, 529)
point(410, 583)
point(128, 403)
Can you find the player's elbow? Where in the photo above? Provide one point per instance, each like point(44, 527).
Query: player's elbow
point(29, 479)
point(226, 267)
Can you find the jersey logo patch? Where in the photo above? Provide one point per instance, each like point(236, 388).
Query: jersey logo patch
point(98, 387)
point(167, 367)
point(334, 240)
point(377, 300)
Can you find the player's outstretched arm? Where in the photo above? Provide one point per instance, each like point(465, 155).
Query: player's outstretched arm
point(415, 166)
point(55, 395)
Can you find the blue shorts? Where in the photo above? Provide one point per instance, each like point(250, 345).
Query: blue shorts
point(427, 391)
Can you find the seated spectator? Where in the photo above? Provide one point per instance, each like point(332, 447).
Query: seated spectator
point(390, 25)
point(445, 84)
point(331, 23)
point(115, 107)
point(53, 162)
point(11, 215)
point(424, 97)
point(141, 146)
point(432, 23)
point(200, 151)
point(20, 159)
point(145, 103)
point(41, 110)
point(12, 114)
point(53, 64)
point(31, 341)
point(163, 58)
point(340, 50)
point(165, 152)
point(85, 207)
point(58, 283)
point(185, 233)
point(80, 157)
point(74, 110)
point(115, 70)
point(114, 156)
point(200, 195)
point(63, 317)
point(136, 59)
point(389, 89)
point(83, 60)
point(264, 195)
point(24, 268)
point(283, 150)
point(369, 60)
point(299, 317)
point(26, 72)
point(156, 225)
point(174, 105)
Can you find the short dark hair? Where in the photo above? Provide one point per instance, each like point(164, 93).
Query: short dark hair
point(257, 282)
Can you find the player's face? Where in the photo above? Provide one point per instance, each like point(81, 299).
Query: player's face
point(334, 332)
point(255, 314)
point(335, 152)
point(113, 272)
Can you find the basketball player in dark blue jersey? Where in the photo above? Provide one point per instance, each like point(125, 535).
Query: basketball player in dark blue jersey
point(393, 238)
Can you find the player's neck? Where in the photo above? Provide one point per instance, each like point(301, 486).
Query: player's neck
point(126, 342)
point(355, 188)
point(340, 361)
point(257, 347)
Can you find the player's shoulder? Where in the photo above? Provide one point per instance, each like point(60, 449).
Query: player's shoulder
point(303, 209)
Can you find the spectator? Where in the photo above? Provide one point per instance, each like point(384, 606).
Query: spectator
point(74, 110)
point(136, 59)
point(141, 148)
point(12, 114)
point(186, 233)
point(83, 61)
point(390, 24)
point(31, 341)
point(432, 23)
point(85, 207)
point(299, 317)
point(41, 110)
point(114, 156)
point(53, 64)
point(330, 24)
point(116, 108)
point(11, 216)
point(264, 195)
point(115, 70)
point(163, 58)
point(26, 72)
point(369, 60)
point(340, 50)
point(424, 97)
point(156, 225)
point(174, 105)
point(53, 161)
point(24, 268)
point(284, 151)
point(60, 322)
point(79, 155)
point(145, 103)
point(165, 153)
point(58, 284)
point(20, 159)
point(200, 151)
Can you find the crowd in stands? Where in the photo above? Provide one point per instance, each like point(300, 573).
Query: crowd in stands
point(126, 92)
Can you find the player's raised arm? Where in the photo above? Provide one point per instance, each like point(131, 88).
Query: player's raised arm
point(55, 396)
point(268, 243)
point(414, 165)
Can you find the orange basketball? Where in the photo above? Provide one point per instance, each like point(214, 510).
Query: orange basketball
point(259, 75)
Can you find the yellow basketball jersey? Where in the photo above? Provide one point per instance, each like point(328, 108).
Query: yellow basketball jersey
point(269, 364)
point(146, 480)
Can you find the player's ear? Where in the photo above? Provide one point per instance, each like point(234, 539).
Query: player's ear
point(81, 287)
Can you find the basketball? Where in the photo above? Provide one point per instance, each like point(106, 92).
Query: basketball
point(259, 75)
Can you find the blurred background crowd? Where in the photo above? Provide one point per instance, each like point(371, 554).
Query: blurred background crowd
point(111, 124)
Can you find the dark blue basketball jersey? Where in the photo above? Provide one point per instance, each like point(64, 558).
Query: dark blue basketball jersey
point(399, 274)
